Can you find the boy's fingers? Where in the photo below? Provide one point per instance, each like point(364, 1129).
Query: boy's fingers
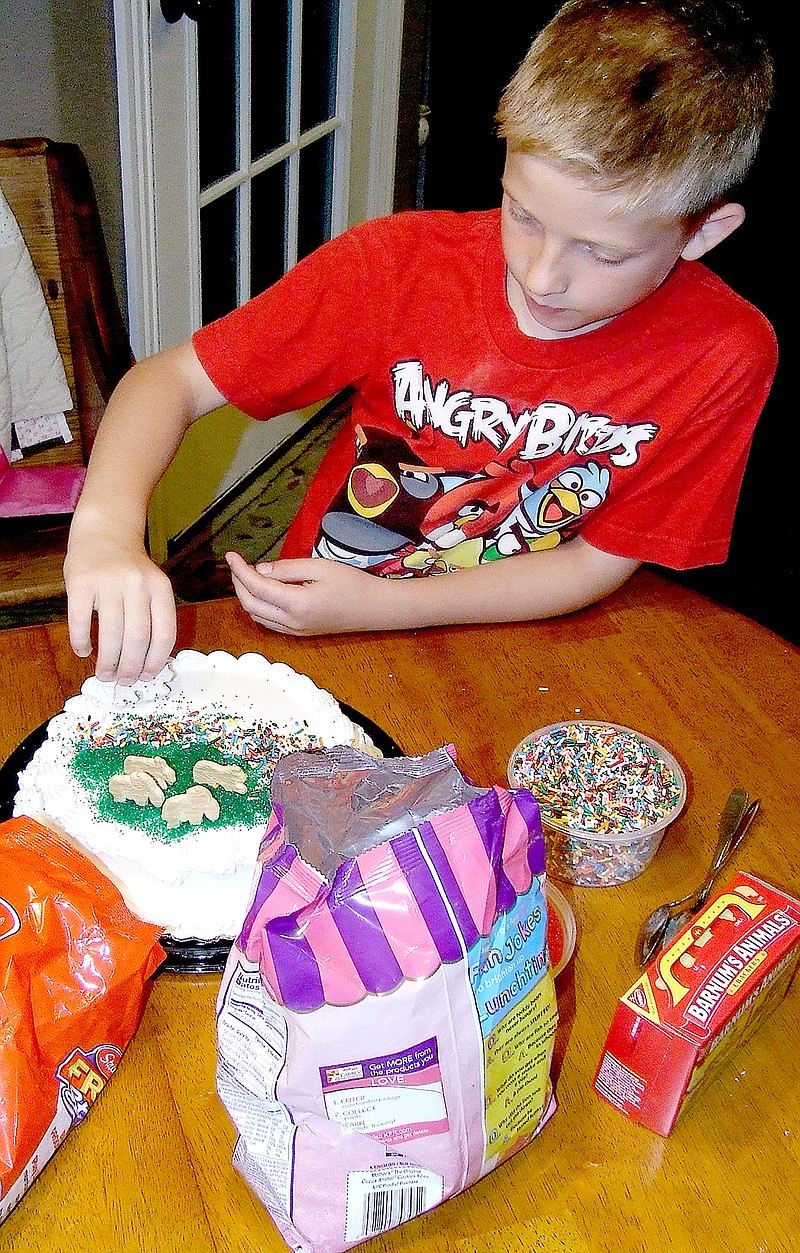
point(267, 603)
point(292, 570)
point(148, 633)
point(250, 590)
point(163, 634)
point(110, 631)
point(241, 570)
point(297, 570)
point(79, 623)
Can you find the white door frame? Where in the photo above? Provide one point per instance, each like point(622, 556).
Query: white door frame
point(376, 88)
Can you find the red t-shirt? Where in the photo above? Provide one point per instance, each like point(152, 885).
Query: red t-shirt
point(469, 440)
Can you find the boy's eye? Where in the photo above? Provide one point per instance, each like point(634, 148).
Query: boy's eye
point(603, 259)
point(518, 213)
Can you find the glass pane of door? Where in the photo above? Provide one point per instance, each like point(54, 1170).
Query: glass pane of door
point(271, 127)
point(218, 256)
point(270, 32)
point(319, 55)
point(217, 52)
point(314, 200)
point(268, 224)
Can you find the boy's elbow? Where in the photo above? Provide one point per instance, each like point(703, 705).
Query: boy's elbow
point(604, 571)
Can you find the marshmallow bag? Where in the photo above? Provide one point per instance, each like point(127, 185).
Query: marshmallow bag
point(386, 1017)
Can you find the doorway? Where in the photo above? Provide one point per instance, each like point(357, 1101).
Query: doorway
point(249, 134)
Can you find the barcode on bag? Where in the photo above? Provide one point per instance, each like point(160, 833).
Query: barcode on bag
point(386, 1196)
point(383, 1210)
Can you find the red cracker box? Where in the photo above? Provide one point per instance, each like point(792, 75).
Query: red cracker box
point(698, 1000)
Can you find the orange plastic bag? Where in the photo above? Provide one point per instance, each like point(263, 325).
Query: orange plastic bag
point(75, 966)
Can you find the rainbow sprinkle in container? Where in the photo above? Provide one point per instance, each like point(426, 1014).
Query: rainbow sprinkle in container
point(606, 794)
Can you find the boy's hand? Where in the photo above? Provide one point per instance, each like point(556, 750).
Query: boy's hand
point(314, 596)
point(134, 605)
point(308, 596)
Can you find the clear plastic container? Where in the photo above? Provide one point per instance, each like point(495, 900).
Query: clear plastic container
point(607, 794)
point(562, 930)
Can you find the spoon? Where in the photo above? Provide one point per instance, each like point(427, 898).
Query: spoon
point(651, 935)
point(678, 921)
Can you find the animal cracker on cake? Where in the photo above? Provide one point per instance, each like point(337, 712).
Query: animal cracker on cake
point(215, 774)
point(191, 806)
point(156, 767)
point(137, 786)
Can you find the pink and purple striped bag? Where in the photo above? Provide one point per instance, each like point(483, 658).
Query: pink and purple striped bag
point(386, 1017)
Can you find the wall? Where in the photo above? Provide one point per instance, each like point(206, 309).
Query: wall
point(58, 80)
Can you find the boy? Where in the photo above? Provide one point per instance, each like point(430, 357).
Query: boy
point(545, 396)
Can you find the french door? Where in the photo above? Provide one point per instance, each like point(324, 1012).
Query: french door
point(250, 132)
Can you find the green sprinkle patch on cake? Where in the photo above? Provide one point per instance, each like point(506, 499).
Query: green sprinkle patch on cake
point(255, 749)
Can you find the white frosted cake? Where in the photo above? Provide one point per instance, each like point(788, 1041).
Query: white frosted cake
point(166, 783)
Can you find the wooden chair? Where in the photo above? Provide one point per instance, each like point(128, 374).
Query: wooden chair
point(49, 190)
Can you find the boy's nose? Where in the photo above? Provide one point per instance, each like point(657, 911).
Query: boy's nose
point(545, 273)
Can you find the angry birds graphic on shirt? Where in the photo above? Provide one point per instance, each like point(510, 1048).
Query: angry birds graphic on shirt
point(549, 467)
point(543, 513)
point(379, 510)
point(395, 515)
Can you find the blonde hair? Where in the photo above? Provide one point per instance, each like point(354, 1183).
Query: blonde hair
point(663, 99)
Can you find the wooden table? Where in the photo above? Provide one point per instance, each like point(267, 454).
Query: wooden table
point(150, 1169)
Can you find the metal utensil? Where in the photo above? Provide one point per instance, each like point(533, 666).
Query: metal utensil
point(678, 921)
point(652, 932)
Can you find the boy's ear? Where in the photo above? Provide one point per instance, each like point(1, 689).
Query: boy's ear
point(712, 230)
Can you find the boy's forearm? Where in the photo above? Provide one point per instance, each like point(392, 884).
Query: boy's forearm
point(514, 589)
point(142, 428)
